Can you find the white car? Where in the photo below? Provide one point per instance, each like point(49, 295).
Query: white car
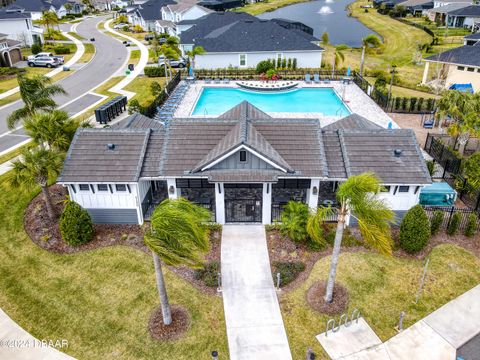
point(32, 58)
point(119, 26)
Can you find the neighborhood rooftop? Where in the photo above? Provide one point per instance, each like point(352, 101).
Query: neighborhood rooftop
point(463, 55)
point(296, 148)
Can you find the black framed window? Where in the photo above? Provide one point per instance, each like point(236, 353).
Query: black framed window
point(386, 188)
point(84, 187)
point(461, 68)
point(121, 187)
point(243, 156)
point(403, 189)
point(102, 187)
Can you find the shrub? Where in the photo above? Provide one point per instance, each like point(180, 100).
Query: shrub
point(209, 274)
point(75, 224)
point(154, 71)
point(414, 230)
point(289, 271)
point(430, 166)
point(437, 221)
point(134, 106)
point(471, 226)
point(272, 227)
point(264, 66)
point(61, 50)
point(294, 221)
point(36, 48)
point(348, 239)
point(294, 64)
point(454, 224)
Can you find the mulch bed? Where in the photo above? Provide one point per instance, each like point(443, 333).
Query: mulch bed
point(45, 233)
point(178, 327)
point(315, 298)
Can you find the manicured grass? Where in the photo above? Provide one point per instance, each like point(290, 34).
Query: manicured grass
point(266, 6)
point(381, 288)
point(134, 57)
point(101, 300)
point(76, 35)
point(88, 54)
point(405, 92)
point(141, 86)
point(12, 154)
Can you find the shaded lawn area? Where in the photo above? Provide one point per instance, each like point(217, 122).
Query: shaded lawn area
point(141, 86)
point(381, 287)
point(100, 301)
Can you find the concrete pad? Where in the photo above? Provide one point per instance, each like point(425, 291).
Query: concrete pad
point(377, 353)
point(419, 341)
point(252, 314)
point(458, 321)
point(349, 340)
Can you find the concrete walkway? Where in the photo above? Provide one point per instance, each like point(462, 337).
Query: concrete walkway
point(254, 323)
point(17, 344)
point(437, 336)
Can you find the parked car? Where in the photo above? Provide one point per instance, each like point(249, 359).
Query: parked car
point(127, 43)
point(60, 59)
point(149, 37)
point(180, 63)
point(47, 61)
point(119, 26)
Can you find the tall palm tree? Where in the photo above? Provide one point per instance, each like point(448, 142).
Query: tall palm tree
point(463, 109)
point(49, 19)
point(197, 50)
point(37, 167)
point(177, 236)
point(36, 93)
point(55, 129)
point(357, 198)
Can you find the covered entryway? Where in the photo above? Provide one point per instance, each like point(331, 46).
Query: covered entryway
point(243, 203)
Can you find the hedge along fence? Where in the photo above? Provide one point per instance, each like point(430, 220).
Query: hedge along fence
point(418, 26)
point(251, 74)
point(448, 212)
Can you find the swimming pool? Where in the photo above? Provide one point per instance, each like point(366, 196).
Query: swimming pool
point(216, 101)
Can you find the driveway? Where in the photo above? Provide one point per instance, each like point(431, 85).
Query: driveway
point(110, 55)
point(254, 323)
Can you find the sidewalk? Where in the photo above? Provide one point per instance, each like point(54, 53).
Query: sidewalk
point(254, 323)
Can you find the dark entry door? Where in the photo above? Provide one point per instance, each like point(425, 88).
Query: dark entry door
point(243, 204)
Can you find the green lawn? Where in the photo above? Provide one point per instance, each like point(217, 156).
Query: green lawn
point(266, 6)
point(100, 301)
point(381, 287)
point(14, 153)
point(88, 54)
point(76, 35)
point(141, 86)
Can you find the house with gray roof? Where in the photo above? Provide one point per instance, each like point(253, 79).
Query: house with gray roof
point(243, 165)
point(35, 8)
point(18, 26)
point(240, 40)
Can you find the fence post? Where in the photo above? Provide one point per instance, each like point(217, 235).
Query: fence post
point(445, 168)
point(452, 210)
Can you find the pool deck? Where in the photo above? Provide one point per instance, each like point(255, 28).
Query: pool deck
point(354, 98)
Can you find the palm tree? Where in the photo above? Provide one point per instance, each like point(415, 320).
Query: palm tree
point(37, 167)
point(463, 109)
point(338, 57)
point(36, 93)
point(49, 19)
point(177, 236)
point(55, 129)
point(197, 50)
point(357, 198)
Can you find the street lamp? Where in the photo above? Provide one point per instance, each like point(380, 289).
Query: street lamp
point(393, 72)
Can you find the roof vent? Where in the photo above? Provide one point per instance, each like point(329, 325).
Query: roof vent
point(111, 146)
point(397, 152)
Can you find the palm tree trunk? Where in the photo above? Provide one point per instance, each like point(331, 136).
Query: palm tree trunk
point(48, 202)
point(362, 61)
point(162, 291)
point(336, 254)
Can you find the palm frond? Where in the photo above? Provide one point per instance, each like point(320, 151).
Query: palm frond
point(315, 224)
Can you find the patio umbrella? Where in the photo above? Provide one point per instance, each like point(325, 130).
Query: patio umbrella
point(390, 125)
point(348, 71)
point(190, 71)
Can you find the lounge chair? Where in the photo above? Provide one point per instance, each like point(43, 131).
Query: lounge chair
point(428, 124)
point(208, 81)
point(307, 78)
point(216, 81)
point(226, 81)
point(316, 79)
point(326, 81)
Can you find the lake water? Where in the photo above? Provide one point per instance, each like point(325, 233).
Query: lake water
point(325, 15)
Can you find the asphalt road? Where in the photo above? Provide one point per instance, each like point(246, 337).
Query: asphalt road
point(110, 56)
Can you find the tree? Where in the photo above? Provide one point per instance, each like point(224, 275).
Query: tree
point(49, 19)
point(37, 167)
point(357, 198)
point(415, 230)
point(472, 170)
point(197, 50)
point(55, 129)
point(371, 41)
point(36, 93)
point(463, 109)
point(177, 236)
point(325, 38)
point(76, 224)
point(294, 221)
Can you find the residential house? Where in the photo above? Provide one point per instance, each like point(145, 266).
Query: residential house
point(442, 15)
point(440, 3)
point(464, 17)
point(472, 39)
point(240, 40)
point(221, 5)
point(19, 26)
point(244, 165)
point(416, 7)
point(10, 52)
point(36, 7)
point(458, 66)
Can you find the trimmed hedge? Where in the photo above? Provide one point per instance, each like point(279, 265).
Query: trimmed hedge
point(75, 224)
point(209, 274)
point(61, 50)
point(437, 220)
point(154, 71)
point(289, 271)
point(454, 224)
point(414, 230)
point(471, 227)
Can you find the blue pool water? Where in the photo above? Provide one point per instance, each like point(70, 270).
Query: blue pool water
point(215, 101)
point(438, 194)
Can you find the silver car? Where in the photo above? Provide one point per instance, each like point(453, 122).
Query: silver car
point(47, 61)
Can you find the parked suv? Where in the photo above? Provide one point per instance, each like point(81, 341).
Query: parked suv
point(60, 59)
point(47, 61)
point(180, 63)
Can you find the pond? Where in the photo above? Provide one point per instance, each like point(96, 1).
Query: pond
point(325, 15)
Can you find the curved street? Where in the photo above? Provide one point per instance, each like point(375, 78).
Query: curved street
point(110, 55)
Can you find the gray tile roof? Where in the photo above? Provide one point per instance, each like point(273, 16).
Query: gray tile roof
point(218, 32)
point(333, 153)
point(463, 55)
point(89, 159)
point(352, 121)
point(152, 9)
point(475, 36)
point(469, 11)
point(138, 121)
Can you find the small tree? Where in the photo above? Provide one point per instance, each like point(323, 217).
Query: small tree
point(76, 224)
point(454, 224)
point(471, 227)
point(414, 230)
point(294, 221)
point(437, 221)
point(294, 64)
point(264, 66)
point(155, 88)
point(325, 38)
point(472, 170)
point(36, 48)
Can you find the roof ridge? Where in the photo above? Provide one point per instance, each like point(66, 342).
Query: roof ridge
point(142, 154)
point(163, 155)
point(423, 163)
point(343, 148)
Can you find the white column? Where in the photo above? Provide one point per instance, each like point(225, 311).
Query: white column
point(313, 194)
point(136, 188)
point(172, 194)
point(425, 72)
point(267, 203)
point(220, 203)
